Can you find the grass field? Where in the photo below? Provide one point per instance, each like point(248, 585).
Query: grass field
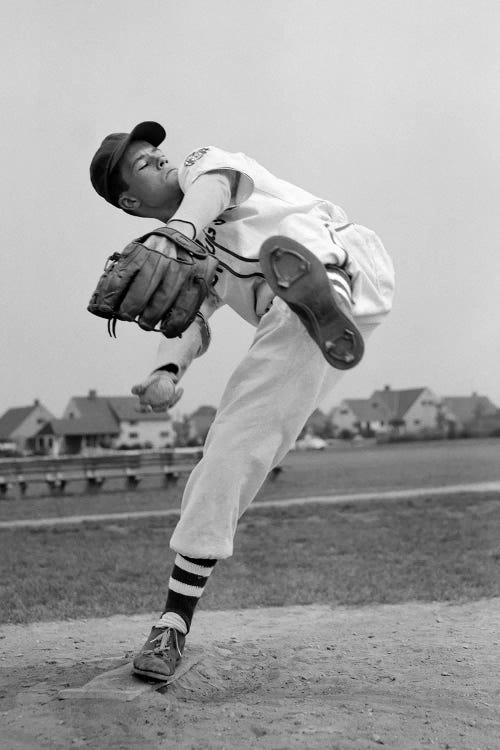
point(349, 554)
point(443, 548)
point(339, 470)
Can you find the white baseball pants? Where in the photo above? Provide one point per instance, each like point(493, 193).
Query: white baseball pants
point(266, 403)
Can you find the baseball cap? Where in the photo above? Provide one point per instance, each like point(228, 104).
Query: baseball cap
point(111, 150)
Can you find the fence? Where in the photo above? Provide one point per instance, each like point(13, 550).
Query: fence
point(42, 475)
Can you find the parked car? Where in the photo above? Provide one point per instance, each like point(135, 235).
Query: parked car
point(311, 443)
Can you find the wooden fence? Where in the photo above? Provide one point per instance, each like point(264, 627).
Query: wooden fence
point(42, 475)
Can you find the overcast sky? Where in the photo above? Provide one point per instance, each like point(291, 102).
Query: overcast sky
point(390, 109)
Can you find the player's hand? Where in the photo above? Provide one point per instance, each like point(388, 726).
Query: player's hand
point(158, 392)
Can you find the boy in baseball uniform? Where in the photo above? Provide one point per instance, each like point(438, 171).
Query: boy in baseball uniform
point(314, 286)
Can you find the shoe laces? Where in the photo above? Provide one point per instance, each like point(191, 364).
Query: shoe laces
point(165, 640)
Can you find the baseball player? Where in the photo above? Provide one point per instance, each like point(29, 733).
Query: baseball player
point(314, 286)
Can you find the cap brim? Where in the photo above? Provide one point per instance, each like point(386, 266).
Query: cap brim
point(151, 132)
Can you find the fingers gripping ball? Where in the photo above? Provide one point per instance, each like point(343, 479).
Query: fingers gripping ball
point(158, 392)
point(152, 288)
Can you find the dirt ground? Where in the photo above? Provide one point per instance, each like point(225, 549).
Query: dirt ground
point(401, 676)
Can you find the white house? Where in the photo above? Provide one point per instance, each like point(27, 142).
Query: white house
point(408, 411)
point(357, 415)
point(92, 423)
point(21, 424)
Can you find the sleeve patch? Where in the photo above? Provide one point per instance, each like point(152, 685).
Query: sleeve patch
point(194, 156)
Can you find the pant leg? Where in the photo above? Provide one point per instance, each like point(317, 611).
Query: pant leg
point(265, 405)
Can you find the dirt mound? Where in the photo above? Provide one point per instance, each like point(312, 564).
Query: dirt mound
point(401, 676)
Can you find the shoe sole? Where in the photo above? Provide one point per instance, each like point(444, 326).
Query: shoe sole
point(299, 278)
point(152, 675)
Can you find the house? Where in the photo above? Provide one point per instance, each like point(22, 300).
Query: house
point(94, 423)
point(408, 411)
point(473, 414)
point(357, 415)
point(73, 436)
point(20, 425)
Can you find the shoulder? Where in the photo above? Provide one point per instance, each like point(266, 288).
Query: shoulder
point(204, 159)
point(207, 158)
point(196, 155)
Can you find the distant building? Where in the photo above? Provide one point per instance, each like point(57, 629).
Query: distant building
point(92, 423)
point(358, 416)
point(21, 424)
point(408, 411)
point(474, 414)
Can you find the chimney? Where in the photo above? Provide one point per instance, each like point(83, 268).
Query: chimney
point(92, 393)
point(36, 402)
point(387, 387)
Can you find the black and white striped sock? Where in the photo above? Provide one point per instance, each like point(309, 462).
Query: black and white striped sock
point(186, 585)
point(340, 281)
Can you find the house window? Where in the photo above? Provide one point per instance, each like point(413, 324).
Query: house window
point(344, 411)
point(133, 422)
point(164, 433)
point(133, 434)
point(416, 421)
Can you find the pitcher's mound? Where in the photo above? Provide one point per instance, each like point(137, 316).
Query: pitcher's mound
point(123, 685)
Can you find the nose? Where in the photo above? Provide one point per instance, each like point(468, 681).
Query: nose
point(162, 160)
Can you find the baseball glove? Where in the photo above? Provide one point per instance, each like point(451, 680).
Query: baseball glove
point(150, 288)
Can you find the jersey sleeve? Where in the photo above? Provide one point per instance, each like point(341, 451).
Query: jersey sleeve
point(194, 342)
point(211, 159)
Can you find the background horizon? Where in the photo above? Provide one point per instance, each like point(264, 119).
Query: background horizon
point(177, 413)
point(389, 110)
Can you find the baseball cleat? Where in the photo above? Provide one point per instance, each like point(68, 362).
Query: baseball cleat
point(301, 280)
point(160, 655)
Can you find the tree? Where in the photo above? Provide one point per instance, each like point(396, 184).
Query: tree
point(183, 431)
point(320, 425)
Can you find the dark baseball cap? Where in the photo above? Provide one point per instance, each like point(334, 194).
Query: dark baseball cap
point(111, 150)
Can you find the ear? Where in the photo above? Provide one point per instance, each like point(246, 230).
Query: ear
point(129, 202)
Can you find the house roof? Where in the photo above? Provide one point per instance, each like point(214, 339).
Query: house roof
point(95, 413)
point(106, 412)
point(398, 402)
point(467, 408)
point(363, 409)
point(12, 419)
point(81, 426)
point(124, 408)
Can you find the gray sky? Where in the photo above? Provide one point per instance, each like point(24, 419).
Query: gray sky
point(390, 109)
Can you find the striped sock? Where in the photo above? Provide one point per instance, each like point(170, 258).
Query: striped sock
point(340, 281)
point(185, 587)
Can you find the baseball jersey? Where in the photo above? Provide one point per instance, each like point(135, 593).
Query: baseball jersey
point(262, 205)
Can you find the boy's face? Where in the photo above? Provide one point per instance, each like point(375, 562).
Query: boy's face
point(151, 179)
